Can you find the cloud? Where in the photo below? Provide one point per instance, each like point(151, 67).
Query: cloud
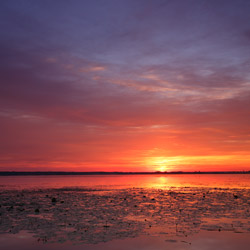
point(95, 82)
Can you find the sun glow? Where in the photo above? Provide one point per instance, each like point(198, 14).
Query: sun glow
point(161, 163)
point(180, 163)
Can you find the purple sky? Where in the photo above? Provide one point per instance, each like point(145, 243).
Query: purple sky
point(120, 85)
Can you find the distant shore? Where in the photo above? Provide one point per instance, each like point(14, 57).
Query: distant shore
point(15, 173)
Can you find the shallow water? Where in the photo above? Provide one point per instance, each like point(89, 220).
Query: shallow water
point(127, 181)
point(125, 212)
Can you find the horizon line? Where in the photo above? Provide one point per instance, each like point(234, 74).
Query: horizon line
point(13, 173)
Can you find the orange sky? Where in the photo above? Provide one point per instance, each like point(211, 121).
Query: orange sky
point(125, 87)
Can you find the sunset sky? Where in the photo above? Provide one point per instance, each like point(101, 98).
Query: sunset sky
point(130, 85)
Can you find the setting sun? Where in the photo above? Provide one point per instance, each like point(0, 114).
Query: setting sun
point(125, 124)
point(162, 164)
point(83, 90)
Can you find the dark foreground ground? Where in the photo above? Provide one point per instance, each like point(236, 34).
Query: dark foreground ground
point(90, 217)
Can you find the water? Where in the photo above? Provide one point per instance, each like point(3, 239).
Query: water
point(125, 212)
point(127, 181)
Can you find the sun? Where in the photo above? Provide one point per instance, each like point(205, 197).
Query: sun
point(160, 163)
point(162, 168)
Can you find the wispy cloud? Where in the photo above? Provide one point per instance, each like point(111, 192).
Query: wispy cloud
point(82, 83)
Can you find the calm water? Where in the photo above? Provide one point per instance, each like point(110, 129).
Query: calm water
point(127, 181)
point(182, 212)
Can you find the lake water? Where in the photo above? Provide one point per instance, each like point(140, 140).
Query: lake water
point(125, 212)
point(127, 181)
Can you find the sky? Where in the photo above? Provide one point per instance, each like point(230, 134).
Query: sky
point(124, 85)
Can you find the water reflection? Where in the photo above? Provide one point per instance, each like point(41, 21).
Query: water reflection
point(100, 215)
point(127, 181)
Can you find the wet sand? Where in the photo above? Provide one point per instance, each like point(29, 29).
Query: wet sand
point(178, 217)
